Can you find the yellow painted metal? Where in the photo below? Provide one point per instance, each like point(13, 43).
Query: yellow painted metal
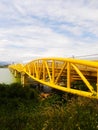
point(47, 68)
point(58, 76)
point(44, 71)
point(60, 73)
point(84, 79)
point(73, 91)
point(35, 67)
point(68, 75)
point(53, 71)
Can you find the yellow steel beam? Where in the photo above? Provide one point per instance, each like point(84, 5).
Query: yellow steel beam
point(53, 71)
point(44, 71)
point(47, 67)
point(68, 75)
point(69, 90)
point(76, 61)
point(83, 78)
point(36, 72)
point(57, 78)
point(40, 70)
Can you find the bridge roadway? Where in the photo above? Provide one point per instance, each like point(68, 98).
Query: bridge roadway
point(66, 74)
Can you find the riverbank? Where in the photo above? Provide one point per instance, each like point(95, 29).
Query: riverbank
point(24, 109)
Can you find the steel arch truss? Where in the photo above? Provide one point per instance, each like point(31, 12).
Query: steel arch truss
point(70, 75)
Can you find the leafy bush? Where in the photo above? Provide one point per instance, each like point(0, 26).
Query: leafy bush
point(22, 109)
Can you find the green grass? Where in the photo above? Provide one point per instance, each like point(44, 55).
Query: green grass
point(23, 109)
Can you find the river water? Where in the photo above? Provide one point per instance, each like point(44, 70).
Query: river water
point(6, 76)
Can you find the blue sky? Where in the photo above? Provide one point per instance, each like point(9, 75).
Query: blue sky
point(47, 28)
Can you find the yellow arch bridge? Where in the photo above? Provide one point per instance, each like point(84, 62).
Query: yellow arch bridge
point(66, 74)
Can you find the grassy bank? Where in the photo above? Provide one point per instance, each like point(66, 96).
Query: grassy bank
point(24, 109)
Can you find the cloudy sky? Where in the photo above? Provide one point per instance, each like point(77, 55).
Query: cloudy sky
point(47, 28)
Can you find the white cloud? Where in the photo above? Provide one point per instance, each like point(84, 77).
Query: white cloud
point(42, 28)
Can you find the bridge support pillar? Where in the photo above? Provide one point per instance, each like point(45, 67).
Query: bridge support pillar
point(15, 74)
point(23, 79)
point(12, 71)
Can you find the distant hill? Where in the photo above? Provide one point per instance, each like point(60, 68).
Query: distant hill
point(2, 63)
